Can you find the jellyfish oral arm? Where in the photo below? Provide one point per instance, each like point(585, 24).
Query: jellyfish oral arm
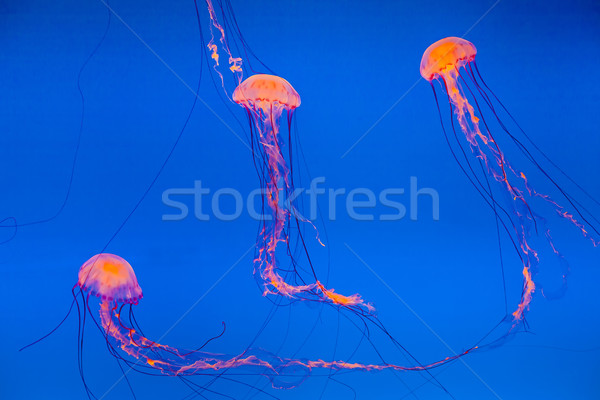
point(235, 63)
point(273, 235)
point(169, 360)
point(176, 362)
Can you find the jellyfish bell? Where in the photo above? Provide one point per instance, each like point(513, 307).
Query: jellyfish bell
point(446, 55)
point(110, 277)
point(262, 91)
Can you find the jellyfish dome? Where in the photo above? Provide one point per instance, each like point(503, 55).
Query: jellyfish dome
point(446, 55)
point(110, 277)
point(264, 91)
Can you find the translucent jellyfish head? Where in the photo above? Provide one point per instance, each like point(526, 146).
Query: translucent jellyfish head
point(266, 92)
point(445, 56)
point(110, 277)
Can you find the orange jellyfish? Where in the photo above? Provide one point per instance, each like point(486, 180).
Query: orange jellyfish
point(112, 281)
point(451, 63)
point(266, 98)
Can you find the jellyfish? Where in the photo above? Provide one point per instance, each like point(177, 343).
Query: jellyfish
point(266, 98)
point(110, 281)
point(451, 63)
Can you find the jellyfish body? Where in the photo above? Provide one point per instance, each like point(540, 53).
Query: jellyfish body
point(267, 92)
point(110, 277)
point(445, 57)
point(266, 98)
point(451, 62)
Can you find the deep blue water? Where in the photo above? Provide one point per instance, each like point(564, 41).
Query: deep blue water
point(351, 62)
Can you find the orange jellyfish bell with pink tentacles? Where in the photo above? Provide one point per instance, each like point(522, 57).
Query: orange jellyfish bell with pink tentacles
point(522, 213)
point(266, 98)
point(112, 280)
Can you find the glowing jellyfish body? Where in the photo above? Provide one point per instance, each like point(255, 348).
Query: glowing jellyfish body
point(451, 61)
point(266, 98)
point(110, 277)
point(267, 92)
point(445, 57)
